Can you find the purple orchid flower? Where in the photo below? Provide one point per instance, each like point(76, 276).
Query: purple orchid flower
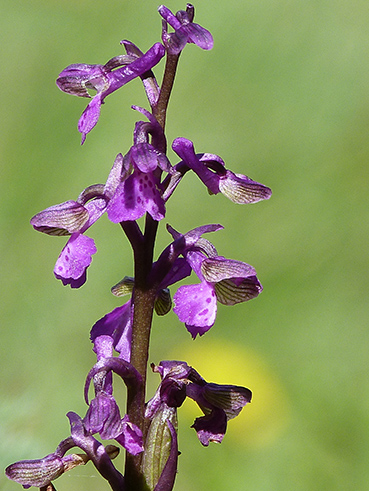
point(105, 79)
point(224, 280)
point(103, 415)
point(114, 330)
point(185, 30)
point(74, 218)
point(220, 403)
point(139, 191)
point(211, 170)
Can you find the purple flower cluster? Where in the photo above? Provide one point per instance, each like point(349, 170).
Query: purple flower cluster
point(139, 184)
point(142, 181)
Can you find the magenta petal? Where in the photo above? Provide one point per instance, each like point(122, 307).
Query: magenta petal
point(174, 42)
point(185, 150)
point(241, 189)
point(178, 271)
point(169, 17)
point(96, 208)
point(212, 427)
point(114, 177)
point(144, 157)
point(103, 416)
point(134, 197)
point(131, 437)
point(75, 79)
point(103, 346)
point(74, 258)
point(198, 35)
point(89, 117)
point(195, 260)
point(118, 326)
point(38, 473)
point(196, 330)
point(73, 283)
point(196, 305)
point(131, 49)
point(193, 235)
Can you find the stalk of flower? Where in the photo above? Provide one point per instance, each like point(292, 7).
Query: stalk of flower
point(139, 184)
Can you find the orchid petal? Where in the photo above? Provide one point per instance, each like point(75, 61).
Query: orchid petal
point(74, 259)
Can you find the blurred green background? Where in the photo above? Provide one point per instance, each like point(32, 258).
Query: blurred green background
point(283, 97)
